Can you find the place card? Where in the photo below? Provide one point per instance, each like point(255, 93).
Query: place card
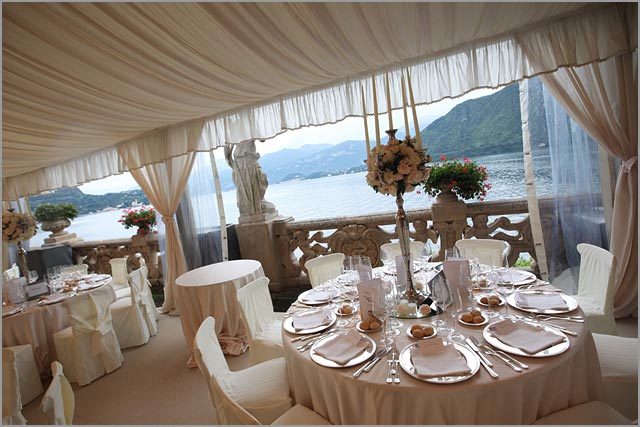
point(370, 295)
point(13, 290)
point(35, 290)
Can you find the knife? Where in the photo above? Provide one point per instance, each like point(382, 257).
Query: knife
point(477, 350)
point(367, 366)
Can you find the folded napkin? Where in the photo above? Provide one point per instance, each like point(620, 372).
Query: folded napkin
point(310, 319)
point(540, 301)
point(432, 358)
point(317, 295)
point(513, 276)
point(527, 337)
point(342, 348)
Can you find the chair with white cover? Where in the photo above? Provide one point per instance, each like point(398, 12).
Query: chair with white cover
point(590, 413)
point(596, 288)
point(259, 394)
point(119, 279)
point(128, 315)
point(11, 273)
point(146, 300)
point(89, 348)
point(82, 268)
point(488, 251)
point(265, 331)
point(618, 358)
point(59, 403)
point(323, 268)
point(415, 247)
point(29, 382)
point(11, 400)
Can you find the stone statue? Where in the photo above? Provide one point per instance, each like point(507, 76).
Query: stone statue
point(250, 181)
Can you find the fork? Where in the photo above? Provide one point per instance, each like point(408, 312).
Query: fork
point(576, 319)
point(390, 361)
point(396, 371)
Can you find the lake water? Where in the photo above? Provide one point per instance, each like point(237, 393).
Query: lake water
point(336, 196)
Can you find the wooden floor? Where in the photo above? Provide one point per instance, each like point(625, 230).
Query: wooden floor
point(154, 385)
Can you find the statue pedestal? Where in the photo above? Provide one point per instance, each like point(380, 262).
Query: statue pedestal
point(449, 215)
point(257, 218)
point(62, 238)
point(257, 241)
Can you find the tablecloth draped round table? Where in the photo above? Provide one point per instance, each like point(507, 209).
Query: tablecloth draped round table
point(550, 384)
point(36, 326)
point(212, 291)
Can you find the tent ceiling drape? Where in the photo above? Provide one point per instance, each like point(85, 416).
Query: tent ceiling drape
point(80, 78)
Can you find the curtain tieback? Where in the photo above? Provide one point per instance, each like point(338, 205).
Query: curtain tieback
point(628, 164)
point(167, 220)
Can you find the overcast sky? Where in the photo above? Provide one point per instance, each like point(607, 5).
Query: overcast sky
point(351, 128)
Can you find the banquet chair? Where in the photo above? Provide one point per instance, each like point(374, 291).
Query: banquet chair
point(89, 348)
point(618, 358)
point(128, 315)
point(147, 303)
point(590, 413)
point(596, 288)
point(59, 402)
point(323, 268)
point(82, 268)
point(29, 383)
point(11, 273)
point(486, 250)
point(11, 400)
point(394, 249)
point(265, 331)
point(258, 394)
point(119, 280)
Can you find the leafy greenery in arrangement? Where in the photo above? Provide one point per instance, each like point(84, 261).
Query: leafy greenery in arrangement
point(464, 177)
point(50, 212)
point(521, 262)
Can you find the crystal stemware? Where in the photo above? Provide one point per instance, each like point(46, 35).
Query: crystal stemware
point(505, 289)
point(441, 294)
point(426, 255)
point(456, 307)
point(381, 310)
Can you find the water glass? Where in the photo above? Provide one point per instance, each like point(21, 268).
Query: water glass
point(426, 255)
point(450, 254)
point(456, 307)
point(441, 294)
point(505, 289)
point(382, 310)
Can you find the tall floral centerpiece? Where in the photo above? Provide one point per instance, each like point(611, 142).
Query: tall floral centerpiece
point(17, 227)
point(395, 169)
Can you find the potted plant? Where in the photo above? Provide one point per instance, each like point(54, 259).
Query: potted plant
point(466, 178)
point(55, 218)
point(144, 218)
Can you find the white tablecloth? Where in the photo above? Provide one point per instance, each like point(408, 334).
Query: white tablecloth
point(550, 384)
point(212, 291)
point(36, 326)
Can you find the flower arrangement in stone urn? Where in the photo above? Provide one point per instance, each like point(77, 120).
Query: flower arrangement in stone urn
point(466, 178)
point(144, 218)
point(55, 217)
point(17, 227)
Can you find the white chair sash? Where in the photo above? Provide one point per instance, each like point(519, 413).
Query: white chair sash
point(93, 318)
point(11, 400)
point(58, 403)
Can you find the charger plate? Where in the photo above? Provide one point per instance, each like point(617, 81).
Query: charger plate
point(547, 352)
point(365, 355)
point(473, 361)
point(572, 304)
point(288, 325)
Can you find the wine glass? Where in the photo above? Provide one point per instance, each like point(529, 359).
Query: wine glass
point(381, 310)
point(387, 260)
point(426, 255)
point(465, 281)
point(450, 254)
point(392, 298)
point(505, 289)
point(442, 296)
point(456, 307)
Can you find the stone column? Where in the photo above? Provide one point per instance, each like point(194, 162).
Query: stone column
point(449, 215)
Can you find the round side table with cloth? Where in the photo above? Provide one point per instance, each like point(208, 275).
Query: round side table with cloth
point(212, 291)
point(36, 326)
point(550, 384)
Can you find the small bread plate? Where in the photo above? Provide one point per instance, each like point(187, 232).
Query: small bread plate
point(572, 304)
point(479, 297)
point(339, 313)
point(472, 361)
point(433, 334)
point(56, 298)
point(10, 310)
point(484, 322)
point(554, 350)
point(391, 270)
point(331, 293)
point(367, 331)
point(88, 286)
point(365, 355)
point(288, 325)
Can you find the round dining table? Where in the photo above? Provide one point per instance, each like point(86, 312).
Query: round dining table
point(36, 325)
point(548, 385)
point(211, 290)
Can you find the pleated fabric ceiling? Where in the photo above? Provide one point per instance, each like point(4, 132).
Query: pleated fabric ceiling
point(86, 84)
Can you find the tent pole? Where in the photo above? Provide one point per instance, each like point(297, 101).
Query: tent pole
point(223, 221)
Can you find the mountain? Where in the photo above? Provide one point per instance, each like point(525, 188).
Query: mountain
point(90, 203)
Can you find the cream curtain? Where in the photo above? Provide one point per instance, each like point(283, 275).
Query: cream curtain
point(603, 99)
point(253, 70)
point(163, 183)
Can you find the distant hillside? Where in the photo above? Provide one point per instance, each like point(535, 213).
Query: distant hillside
point(90, 203)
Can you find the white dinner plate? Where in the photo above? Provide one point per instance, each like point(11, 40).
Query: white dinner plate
point(572, 304)
point(487, 305)
point(484, 322)
point(10, 310)
point(332, 292)
point(288, 325)
point(391, 270)
point(366, 354)
point(472, 361)
point(56, 298)
point(531, 278)
point(88, 286)
point(547, 352)
point(435, 332)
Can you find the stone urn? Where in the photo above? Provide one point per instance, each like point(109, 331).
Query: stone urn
point(449, 214)
point(140, 238)
point(58, 236)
